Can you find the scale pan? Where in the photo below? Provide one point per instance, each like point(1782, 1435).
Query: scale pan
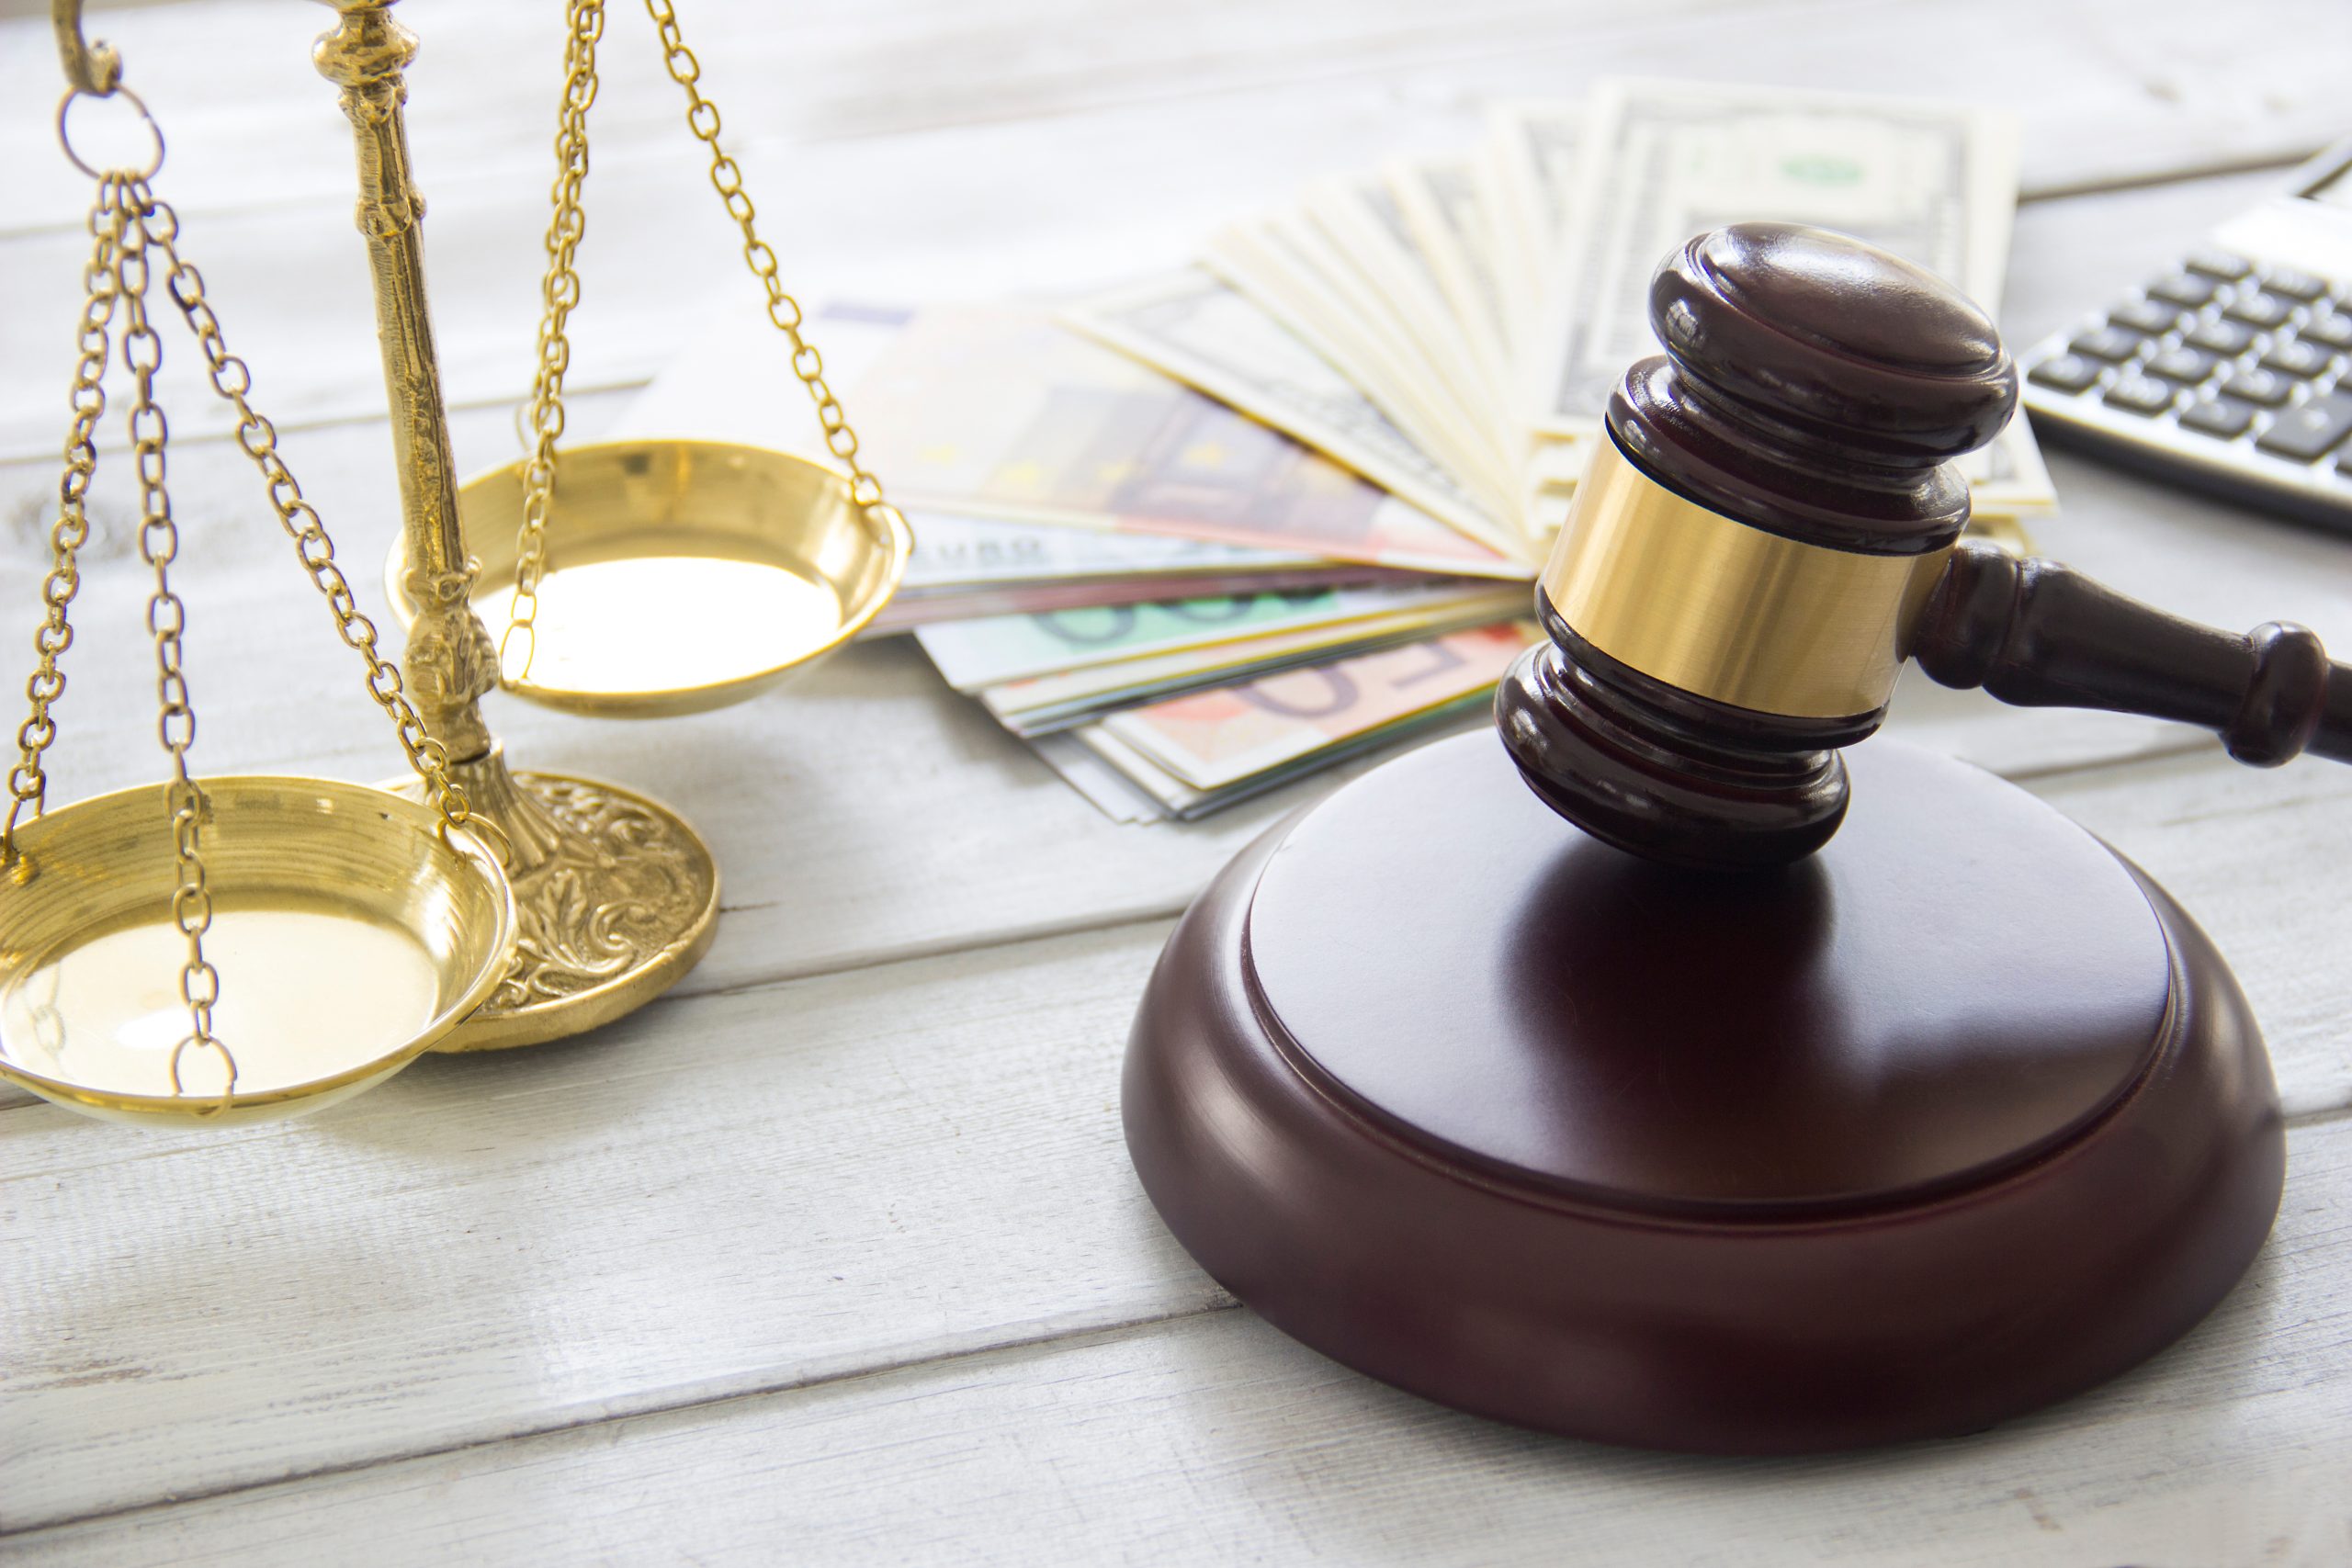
point(682, 575)
point(348, 933)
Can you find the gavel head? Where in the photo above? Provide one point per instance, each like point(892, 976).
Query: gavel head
point(1768, 508)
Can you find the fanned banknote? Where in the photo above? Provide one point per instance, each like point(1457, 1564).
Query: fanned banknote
point(1225, 527)
point(1532, 154)
point(998, 412)
point(1319, 274)
point(1197, 327)
point(1451, 227)
point(970, 567)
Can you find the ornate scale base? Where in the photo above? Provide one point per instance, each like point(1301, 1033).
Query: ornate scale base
point(1957, 1118)
point(615, 896)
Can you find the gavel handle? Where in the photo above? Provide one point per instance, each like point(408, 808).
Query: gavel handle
point(2041, 635)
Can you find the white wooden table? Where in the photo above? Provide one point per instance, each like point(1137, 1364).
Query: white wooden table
point(833, 1254)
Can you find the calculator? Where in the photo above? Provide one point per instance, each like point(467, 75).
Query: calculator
point(2232, 371)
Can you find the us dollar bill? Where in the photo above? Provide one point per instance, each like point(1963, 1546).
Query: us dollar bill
point(1662, 162)
point(1526, 175)
point(1363, 218)
point(1446, 211)
point(1320, 286)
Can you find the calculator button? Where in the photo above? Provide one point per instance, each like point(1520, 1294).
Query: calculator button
point(2265, 387)
point(2227, 339)
point(2300, 286)
point(2330, 331)
point(2140, 394)
point(2257, 310)
point(2219, 264)
point(2183, 288)
point(2107, 343)
point(2151, 316)
point(2307, 432)
point(2184, 364)
point(2297, 357)
point(2067, 373)
point(2226, 420)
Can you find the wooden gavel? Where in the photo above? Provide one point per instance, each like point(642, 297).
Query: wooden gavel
point(1773, 526)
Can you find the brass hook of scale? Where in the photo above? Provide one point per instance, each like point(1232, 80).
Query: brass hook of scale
point(353, 927)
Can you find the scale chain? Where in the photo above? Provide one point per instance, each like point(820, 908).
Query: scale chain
point(560, 293)
point(28, 782)
point(784, 311)
point(159, 544)
point(258, 437)
point(129, 226)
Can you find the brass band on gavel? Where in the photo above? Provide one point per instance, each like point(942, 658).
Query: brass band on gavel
point(1724, 609)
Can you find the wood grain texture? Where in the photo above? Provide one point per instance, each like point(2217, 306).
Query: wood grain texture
point(716, 1196)
point(1214, 1440)
point(876, 1130)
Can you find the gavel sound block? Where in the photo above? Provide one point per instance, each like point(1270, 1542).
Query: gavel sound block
point(1671, 1100)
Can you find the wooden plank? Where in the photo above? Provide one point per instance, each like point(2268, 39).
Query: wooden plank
point(530, 1243)
point(753, 1189)
point(1214, 1439)
point(230, 77)
point(720, 1195)
point(2244, 852)
point(984, 206)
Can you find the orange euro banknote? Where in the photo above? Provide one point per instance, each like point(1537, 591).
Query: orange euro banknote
point(1215, 739)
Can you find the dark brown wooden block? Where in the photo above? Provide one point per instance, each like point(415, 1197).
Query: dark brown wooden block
point(1956, 1118)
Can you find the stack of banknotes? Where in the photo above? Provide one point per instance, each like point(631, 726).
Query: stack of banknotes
point(1205, 531)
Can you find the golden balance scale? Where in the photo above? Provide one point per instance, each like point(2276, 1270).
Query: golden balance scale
point(239, 947)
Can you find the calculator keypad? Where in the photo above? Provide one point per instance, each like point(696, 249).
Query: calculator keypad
point(2245, 365)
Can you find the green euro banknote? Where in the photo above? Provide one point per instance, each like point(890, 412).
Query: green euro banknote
point(973, 654)
point(1040, 704)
